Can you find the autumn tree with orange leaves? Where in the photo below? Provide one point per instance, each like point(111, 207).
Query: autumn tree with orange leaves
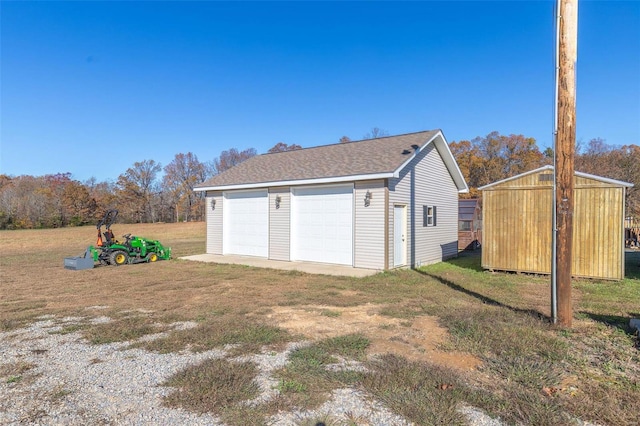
point(620, 163)
point(494, 157)
point(283, 147)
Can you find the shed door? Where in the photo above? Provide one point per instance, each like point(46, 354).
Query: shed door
point(246, 223)
point(322, 224)
point(399, 235)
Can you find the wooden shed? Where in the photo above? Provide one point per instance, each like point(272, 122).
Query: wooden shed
point(517, 219)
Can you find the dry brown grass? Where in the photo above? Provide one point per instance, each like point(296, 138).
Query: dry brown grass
point(530, 369)
point(34, 281)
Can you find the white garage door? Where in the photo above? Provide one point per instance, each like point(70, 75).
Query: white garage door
point(322, 224)
point(245, 227)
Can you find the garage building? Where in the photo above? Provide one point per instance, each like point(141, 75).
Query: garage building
point(378, 203)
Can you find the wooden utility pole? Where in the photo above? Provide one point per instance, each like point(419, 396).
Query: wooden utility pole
point(565, 153)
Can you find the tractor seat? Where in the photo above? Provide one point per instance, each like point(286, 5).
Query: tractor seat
point(108, 236)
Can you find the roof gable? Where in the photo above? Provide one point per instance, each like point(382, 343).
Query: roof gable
point(367, 159)
point(506, 183)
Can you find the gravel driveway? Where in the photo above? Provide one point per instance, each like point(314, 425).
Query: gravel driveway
point(67, 381)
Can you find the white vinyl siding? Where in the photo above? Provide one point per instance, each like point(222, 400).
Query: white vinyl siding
point(279, 223)
point(322, 224)
point(330, 223)
point(214, 223)
point(246, 223)
point(426, 181)
point(369, 225)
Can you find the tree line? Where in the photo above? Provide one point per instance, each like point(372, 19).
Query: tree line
point(494, 157)
point(148, 192)
point(145, 193)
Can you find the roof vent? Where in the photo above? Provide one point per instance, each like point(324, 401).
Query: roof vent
point(546, 177)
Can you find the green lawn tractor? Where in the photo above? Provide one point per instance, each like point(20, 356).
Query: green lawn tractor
point(109, 251)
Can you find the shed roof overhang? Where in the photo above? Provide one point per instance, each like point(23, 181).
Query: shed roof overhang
point(551, 168)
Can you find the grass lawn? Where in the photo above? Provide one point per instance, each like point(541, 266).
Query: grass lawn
point(429, 340)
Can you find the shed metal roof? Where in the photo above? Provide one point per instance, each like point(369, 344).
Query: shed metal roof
point(550, 168)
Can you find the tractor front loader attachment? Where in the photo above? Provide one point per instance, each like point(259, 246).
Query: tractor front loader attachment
point(81, 262)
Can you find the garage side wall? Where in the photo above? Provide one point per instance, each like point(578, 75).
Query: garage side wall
point(426, 182)
point(279, 223)
point(214, 222)
point(369, 225)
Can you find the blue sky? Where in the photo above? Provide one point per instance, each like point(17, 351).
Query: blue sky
point(92, 87)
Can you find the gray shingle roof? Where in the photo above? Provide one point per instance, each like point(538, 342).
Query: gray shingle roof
point(359, 158)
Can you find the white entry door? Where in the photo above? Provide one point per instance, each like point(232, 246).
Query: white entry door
point(322, 224)
point(399, 235)
point(245, 229)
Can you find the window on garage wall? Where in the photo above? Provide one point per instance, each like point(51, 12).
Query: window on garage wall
point(429, 215)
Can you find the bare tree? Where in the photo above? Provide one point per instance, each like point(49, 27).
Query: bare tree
point(595, 158)
point(231, 158)
point(104, 194)
point(181, 176)
point(376, 132)
point(22, 202)
point(135, 190)
point(345, 139)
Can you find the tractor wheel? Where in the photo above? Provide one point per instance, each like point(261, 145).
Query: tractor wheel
point(118, 258)
point(152, 257)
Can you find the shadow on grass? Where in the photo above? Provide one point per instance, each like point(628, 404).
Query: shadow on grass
point(632, 265)
point(484, 299)
point(617, 321)
point(468, 259)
